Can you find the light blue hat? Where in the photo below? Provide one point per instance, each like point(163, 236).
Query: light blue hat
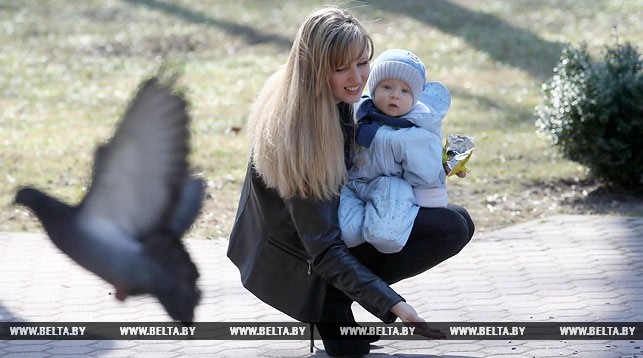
point(401, 65)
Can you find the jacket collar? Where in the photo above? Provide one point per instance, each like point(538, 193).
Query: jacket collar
point(370, 119)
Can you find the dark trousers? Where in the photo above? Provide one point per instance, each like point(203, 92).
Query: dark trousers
point(438, 233)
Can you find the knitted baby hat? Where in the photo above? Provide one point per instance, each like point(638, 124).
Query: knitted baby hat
point(401, 65)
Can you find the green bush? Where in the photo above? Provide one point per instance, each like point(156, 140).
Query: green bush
point(593, 112)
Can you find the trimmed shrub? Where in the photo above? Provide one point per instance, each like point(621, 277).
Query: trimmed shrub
point(592, 111)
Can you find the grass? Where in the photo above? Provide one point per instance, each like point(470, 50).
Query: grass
point(68, 70)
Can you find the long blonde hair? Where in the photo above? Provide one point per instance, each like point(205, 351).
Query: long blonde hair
point(294, 126)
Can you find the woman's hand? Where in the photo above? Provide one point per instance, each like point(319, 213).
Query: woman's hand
point(410, 318)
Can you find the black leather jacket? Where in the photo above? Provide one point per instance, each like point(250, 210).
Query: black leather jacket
point(288, 251)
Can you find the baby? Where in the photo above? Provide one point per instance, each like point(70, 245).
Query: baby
point(397, 166)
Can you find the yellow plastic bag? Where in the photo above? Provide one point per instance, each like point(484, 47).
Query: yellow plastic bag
point(456, 153)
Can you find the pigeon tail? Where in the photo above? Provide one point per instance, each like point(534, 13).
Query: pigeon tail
point(177, 291)
point(180, 300)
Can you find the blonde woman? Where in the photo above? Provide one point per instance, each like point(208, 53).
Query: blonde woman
point(286, 239)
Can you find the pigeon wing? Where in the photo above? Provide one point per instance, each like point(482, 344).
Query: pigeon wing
point(138, 174)
point(188, 206)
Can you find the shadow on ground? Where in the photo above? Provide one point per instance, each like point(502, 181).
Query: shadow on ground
point(251, 35)
point(503, 42)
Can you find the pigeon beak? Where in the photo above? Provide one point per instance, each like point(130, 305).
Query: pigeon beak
point(18, 198)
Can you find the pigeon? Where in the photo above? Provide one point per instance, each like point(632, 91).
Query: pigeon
point(128, 228)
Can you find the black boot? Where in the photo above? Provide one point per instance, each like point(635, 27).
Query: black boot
point(338, 346)
point(337, 313)
point(371, 338)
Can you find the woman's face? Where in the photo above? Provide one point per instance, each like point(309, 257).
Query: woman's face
point(347, 82)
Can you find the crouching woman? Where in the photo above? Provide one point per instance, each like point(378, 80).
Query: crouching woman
point(286, 239)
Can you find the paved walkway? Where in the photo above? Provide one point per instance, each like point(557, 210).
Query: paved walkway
point(563, 268)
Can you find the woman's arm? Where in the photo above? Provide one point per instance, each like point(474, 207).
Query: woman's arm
point(317, 225)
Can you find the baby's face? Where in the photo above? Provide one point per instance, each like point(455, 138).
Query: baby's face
point(393, 97)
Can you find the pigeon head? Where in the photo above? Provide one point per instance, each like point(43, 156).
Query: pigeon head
point(30, 197)
point(39, 202)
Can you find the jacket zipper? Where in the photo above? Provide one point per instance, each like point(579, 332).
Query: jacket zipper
point(292, 252)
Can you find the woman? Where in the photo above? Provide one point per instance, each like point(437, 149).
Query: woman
point(286, 238)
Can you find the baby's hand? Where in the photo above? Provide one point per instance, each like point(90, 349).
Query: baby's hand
point(447, 170)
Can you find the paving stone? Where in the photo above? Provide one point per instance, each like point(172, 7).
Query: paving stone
point(567, 268)
point(70, 350)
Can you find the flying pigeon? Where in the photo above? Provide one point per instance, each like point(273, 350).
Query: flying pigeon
point(142, 199)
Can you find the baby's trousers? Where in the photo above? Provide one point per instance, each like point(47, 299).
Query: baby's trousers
point(381, 212)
